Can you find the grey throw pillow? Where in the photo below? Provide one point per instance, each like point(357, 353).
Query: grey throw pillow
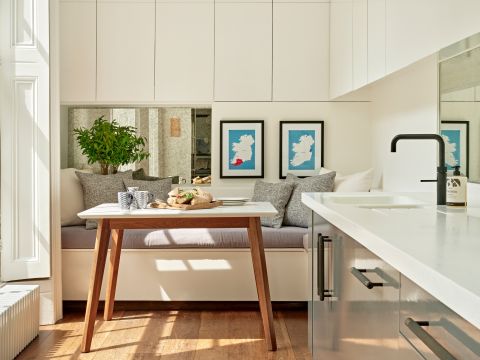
point(140, 175)
point(296, 213)
point(159, 188)
point(100, 189)
point(278, 195)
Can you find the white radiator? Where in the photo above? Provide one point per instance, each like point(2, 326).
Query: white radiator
point(19, 318)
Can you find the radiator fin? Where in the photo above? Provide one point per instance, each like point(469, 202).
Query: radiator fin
point(19, 318)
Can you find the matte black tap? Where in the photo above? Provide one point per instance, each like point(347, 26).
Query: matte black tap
point(441, 168)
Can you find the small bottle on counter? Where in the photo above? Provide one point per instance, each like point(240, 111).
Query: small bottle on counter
point(457, 189)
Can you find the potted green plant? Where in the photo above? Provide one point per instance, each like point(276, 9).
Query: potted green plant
point(110, 144)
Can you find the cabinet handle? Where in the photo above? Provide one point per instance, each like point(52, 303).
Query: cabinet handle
point(358, 273)
point(427, 339)
point(321, 268)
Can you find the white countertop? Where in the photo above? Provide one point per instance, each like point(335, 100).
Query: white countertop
point(437, 247)
point(113, 211)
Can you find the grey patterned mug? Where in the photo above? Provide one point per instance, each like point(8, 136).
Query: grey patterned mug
point(142, 198)
point(125, 200)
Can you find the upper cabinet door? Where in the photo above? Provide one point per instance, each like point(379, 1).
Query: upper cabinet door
point(243, 51)
point(78, 52)
point(360, 43)
point(376, 40)
point(341, 49)
point(184, 52)
point(125, 48)
point(416, 29)
point(301, 51)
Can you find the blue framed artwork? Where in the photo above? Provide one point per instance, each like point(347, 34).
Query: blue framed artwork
point(241, 144)
point(456, 135)
point(301, 148)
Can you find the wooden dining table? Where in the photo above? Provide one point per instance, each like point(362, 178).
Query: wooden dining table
point(113, 221)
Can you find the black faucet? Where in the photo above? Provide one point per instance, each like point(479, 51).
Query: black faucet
point(441, 168)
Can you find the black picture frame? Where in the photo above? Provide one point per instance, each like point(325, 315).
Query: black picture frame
point(240, 175)
point(467, 136)
point(321, 127)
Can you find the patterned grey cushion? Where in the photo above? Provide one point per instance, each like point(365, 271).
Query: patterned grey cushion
point(159, 188)
point(100, 189)
point(278, 195)
point(296, 214)
point(140, 175)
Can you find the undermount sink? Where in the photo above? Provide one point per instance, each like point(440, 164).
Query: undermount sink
point(380, 201)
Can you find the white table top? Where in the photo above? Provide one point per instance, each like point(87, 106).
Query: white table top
point(113, 211)
point(437, 247)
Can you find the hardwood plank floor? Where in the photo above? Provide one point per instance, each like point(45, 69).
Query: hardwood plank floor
point(174, 335)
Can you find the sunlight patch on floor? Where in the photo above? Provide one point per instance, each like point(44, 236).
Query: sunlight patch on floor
point(385, 343)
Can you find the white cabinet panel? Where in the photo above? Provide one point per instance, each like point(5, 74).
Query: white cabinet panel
point(243, 51)
point(416, 29)
point(243, 1)
point(184, 52)
point(125, 48)
point(360, 43)
point(300, 51)
point(78, 53)
point(341, 50)
point(376, 39)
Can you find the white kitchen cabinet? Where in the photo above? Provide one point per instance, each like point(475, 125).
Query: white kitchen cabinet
point(184, 52)
point(360, 43)
point(301, 51)
point(125, 50)
point(376, 39)
point(243, 52)
point(78, 53)
point(416, 29)
point(341, 48)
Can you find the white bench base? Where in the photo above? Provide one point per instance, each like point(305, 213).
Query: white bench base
point(190, 275)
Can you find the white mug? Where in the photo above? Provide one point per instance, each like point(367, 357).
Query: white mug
point(142, 198)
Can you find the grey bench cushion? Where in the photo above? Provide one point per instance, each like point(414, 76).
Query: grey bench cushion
point(77, 237)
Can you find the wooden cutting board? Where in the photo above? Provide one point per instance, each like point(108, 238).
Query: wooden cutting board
point(211, 205)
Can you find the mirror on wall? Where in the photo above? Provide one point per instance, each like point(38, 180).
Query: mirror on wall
point(178, 139)
point(459, 92)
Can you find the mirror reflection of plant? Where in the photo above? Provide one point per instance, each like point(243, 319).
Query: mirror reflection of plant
point(110, 144)
point(129, 148)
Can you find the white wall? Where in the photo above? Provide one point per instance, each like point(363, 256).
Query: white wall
point(347, 133)
point(405, 102)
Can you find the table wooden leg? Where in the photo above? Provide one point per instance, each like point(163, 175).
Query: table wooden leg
point(261, 279)
point(116, 249)
point(96, 277)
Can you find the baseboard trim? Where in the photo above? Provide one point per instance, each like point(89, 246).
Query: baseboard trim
point(79, 306)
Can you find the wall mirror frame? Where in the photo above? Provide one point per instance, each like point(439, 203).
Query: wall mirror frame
point(459, 105)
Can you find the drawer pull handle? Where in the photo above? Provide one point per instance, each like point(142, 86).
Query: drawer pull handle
point(427, 339)
point(359, 274)
point(321, 268)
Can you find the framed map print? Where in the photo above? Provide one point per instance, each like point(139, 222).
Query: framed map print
point(301, 148)
point(455, 134)
point(241, 149)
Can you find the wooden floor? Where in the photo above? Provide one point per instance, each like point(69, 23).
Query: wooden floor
point(174, 335)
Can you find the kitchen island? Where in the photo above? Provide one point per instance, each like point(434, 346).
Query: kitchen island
point(393, 276)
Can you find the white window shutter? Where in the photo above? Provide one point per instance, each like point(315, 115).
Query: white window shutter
point(25, 139)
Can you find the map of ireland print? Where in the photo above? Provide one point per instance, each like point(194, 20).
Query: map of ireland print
point(241, 145)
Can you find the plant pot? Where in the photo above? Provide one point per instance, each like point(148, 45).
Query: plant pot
point(104, 169)
point(114, 169)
